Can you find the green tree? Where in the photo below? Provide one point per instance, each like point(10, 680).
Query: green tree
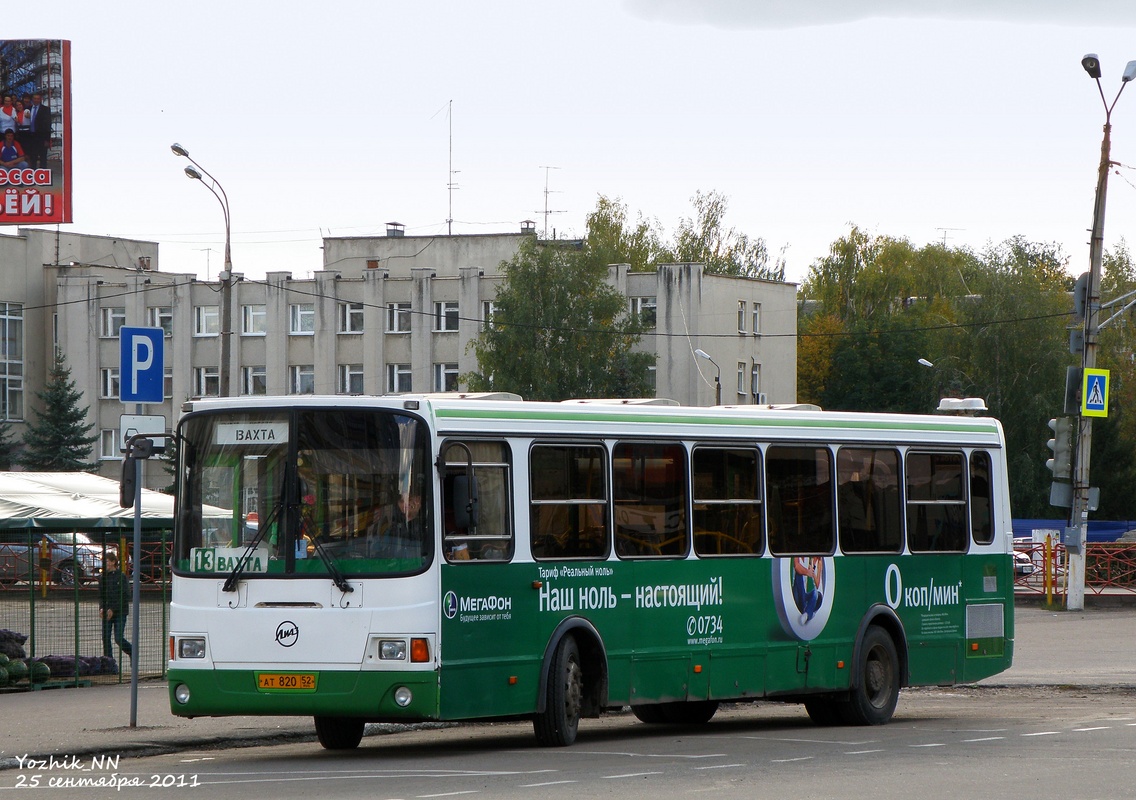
point(559, 331)
point(705, 239)
point(57, 440)
point(7, 446)
point(612, 241)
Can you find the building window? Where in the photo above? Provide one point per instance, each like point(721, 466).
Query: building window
point(398, 317)
point(445, 317)
point(168, 383)
point(398, 378)
point(487, 309)
point(254, 320)
point(445, 377)
point(206, 321)
point(302, 319)
point(11, 360)
point(302, 379)
point(644, 309)
point(350, 379)
point(161, 317)
point(206, 382)
point(113, 320)
point(755, 381)
point(741, 378)
point(755, 319)
point(108, 444)
point(350, 317)
point(108, 383)
point(741, 316)
point(254, 380)
point(652, 380)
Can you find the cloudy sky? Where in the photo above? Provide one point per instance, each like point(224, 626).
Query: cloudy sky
point(968, 126)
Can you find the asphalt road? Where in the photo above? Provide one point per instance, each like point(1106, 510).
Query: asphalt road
point(1004, 742)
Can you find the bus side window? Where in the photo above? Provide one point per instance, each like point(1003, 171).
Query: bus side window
point(981, 501)
point(568, 501)
point(477, 525)
point(868, 502)
point(798, 483)
point(727, 501)
point(936, 506)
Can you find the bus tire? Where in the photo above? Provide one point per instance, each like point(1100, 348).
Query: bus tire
point(654, 714)
point(339, 733)
point(557, 725)
point(691, 712)
point(872, 700)
point(825, 710)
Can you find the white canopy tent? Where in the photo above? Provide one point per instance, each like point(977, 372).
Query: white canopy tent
point(75, 501)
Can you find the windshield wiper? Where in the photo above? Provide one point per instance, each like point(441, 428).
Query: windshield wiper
point(238, 570)
point(332, 570)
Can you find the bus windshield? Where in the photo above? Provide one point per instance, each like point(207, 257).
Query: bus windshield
point(304, 492)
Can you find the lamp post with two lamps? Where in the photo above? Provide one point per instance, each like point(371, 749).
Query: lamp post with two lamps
point(199, 173)
point(717, 378)
point(1079, 512)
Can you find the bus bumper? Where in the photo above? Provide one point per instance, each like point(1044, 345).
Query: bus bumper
point(370, 695)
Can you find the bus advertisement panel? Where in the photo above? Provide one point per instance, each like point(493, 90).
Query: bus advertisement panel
point(35, 131)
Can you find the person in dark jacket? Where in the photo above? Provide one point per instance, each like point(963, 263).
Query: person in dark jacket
point(114, 605)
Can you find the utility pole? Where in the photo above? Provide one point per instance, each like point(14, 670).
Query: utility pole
point(1077, 532)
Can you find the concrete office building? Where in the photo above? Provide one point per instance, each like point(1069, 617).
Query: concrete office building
point(382, 315)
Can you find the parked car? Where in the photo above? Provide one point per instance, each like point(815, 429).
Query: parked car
point(73, 556)
point(1023, 563)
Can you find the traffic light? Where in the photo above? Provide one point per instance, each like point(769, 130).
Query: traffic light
point(1061, 464)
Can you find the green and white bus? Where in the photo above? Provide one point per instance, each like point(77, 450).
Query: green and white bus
point(409, 558)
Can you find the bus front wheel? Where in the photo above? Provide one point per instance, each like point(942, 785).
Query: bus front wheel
point(872, 701)
point(556, 726)
point(339, 733)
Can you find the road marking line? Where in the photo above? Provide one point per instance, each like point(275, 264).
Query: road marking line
point(985, 739)
point(721, 766)
point(861, 752)
point(1098, 728)
point(630, 775)
point(450, 794)
point(790, 760)
point(932, 744)
point(550, 783)
point(1042, 733)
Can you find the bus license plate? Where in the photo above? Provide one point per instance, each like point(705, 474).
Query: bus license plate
point(286, 681)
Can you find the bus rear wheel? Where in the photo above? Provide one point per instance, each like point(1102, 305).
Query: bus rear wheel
point(339, 733)
point(872, 701)
point(557, 725)
point(691, 712)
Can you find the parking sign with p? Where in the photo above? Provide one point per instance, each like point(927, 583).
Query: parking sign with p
point(141, 365)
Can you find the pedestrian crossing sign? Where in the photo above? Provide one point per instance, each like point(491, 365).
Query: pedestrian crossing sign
point(1094, 393)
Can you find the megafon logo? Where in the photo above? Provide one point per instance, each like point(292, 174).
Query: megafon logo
point(287, 633)
point(804, 588)
point(450, 605)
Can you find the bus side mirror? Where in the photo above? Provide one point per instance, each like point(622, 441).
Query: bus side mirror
point(465, 502)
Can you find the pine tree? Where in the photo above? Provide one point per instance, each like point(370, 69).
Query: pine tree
point(57, 440)
point(7, 446)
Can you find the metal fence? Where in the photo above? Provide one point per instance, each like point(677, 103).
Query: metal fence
point(49, 609)
point(1110, 568)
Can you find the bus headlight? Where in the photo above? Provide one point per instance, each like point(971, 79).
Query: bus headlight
point(191, 648)
point(403, 696)
point(181, 693)
point(392, 649)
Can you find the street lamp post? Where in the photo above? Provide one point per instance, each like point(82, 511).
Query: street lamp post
point(1079, 512)
point(196, 172)
point(717, 378)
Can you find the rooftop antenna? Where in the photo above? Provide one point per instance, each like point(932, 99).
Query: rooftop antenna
point(451, 185)
point(208, 250)
point(546, 211)
point(944, 230)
